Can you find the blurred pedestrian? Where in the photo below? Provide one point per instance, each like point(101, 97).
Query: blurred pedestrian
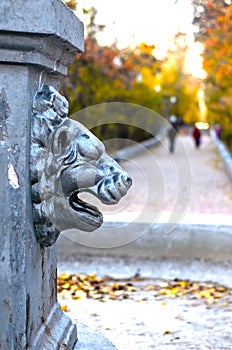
point(172, 132)
point(196, 133)
point(218, 131)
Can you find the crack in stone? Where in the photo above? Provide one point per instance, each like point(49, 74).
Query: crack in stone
point(4, 114)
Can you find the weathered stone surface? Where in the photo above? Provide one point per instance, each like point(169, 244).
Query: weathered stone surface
point(48, 17)
point(16, 238)
point(56, 331)
point(45, 34)
point(28, 272)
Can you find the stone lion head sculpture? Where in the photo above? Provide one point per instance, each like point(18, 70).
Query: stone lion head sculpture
point(67, 159)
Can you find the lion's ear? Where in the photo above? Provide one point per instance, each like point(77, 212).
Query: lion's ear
point(61, 140)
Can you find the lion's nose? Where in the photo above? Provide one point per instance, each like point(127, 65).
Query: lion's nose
point(113, 188)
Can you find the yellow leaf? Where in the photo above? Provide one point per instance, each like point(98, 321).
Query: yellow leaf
point(115, 286)
point(83, 277)
point(66, 285)
point(174, 291)
point(92, 276)
point(74, 287)
point(183, 283)
point(64, 276)
point(64, 307)
point(205, 294)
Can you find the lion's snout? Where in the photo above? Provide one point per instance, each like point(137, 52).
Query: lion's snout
point(114, 187)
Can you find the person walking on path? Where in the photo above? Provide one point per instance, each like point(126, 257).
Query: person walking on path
point(197, 136)
point(172, 132)
point(218, 131)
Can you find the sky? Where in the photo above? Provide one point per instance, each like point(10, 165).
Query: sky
point(130, 22)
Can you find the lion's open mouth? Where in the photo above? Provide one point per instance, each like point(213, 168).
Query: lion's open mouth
point(89, 213)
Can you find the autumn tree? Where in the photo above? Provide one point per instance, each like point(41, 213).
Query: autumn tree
point(214, 22)
point(175, 81)
point(99, 74)
point(107, 74)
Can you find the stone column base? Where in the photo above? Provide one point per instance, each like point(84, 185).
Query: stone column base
point(57, 332)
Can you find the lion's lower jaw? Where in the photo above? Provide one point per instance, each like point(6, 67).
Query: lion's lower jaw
point(56, 215)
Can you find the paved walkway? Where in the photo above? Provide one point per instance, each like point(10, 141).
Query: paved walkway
point(191, 185)
point(188, 182)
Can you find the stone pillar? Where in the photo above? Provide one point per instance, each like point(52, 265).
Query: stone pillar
point(38, 40)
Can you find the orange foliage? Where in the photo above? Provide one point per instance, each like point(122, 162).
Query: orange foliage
point(217, 40)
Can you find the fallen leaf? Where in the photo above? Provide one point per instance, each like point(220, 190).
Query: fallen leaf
point(64, 307)
point(78, 286)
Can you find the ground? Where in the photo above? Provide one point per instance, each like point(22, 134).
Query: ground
point(145, 319)
point(194, 183)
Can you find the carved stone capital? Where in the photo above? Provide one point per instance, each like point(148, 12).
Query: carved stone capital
point(47, 34)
